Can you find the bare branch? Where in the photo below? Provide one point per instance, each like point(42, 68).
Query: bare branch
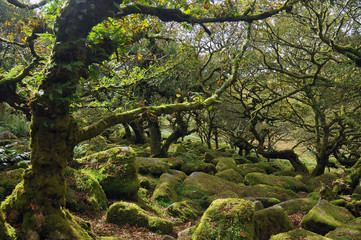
point(26, 6)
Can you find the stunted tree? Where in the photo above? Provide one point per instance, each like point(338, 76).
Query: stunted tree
point(36, 208)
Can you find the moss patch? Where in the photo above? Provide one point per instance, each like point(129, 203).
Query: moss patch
point(84, 192)
point(6, 231)
point(116, 172)
point(185, 210)
point(225, 163)
point(297, 205)
point(349, 231)
point(325, 217)
point(299, 234)
point(261, 190)
point(152, 166)
point(264, 222)
point(9, 180)
point(129, 213)
point(227, 219)
point(286, 182)
point(166, 188)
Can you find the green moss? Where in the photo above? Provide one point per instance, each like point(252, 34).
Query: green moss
point(349, 231)
point(210, 184)
point(166, 188)
point(264, 222)
point(152, 166)
point(326, 179)
point(299, 234)
point(325, 217)
point(286, 182)
point(297, 205)
point(249, 168)
point(227, 219)
point(225, 163)
point(84, 192)
point(116, 172)
point(230, 175)
point(266, 201)
point(185, 210)
point(261, 190)
point(129, 213)
point(6, 231)
point(9, 180)
point(147, 182)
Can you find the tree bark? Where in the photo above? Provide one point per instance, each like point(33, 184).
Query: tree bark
point(290, 155)
point(155, 137)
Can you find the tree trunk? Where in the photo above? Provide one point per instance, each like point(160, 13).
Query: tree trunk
point(138, 131)
point(155, 137)
point(322, 162)
point(128, 133)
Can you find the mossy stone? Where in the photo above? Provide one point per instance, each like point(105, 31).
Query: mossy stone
point(122, 213)
point(9, 180)
point(286, 182)
point(224, 163)
point(299, 234)
point(166, 188)
point(185, 210)
point(349, 231)
point(116, 172)
point(147, 182)
point(247, 168)
point(84, 192)
point(152, 166)
point(230, 218)
point(325, 217)
point(266, 201)
point(209, 184)
point(261, 190)
point(230, 175)
point(265, 219)
point(297, 205)
point(325, 179)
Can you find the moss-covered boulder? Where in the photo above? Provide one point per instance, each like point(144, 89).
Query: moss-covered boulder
point(202, 183)
point(147, 182)
point(116, 172)
point(261, 190)
point(247, 168)
point(265, 219)
point(297, 205)
point(122, 213)
point(8, 181)
point(198, 185)
point(299, 234)
point(266, 201)
point(230, 175)
point(325, 179)
point(224, 163)
point(166, 188)
point(349, 231)
point(230, 218)
point(325, 217)
point(84, 192)
point(286, 182)
point(175, 162)
point(186, 210)
point(152, 166)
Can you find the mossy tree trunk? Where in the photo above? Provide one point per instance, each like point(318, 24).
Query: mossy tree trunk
point(155, 137)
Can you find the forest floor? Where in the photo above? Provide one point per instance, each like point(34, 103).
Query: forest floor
point(103, 229)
